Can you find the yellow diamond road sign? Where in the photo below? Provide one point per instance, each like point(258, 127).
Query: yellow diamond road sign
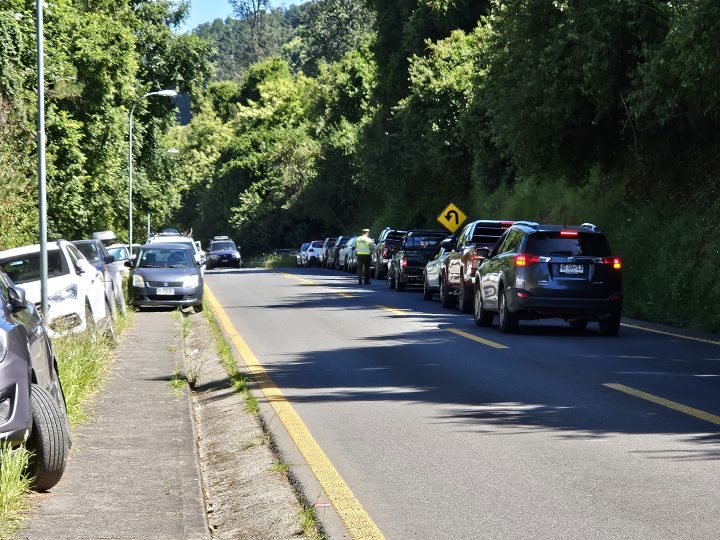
point(452, 217)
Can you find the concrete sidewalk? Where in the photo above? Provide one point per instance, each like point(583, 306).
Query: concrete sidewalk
point(132, 472)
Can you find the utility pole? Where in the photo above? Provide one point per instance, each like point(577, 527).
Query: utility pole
point(42, 186)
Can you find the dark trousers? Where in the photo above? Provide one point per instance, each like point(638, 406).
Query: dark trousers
point(363, 268)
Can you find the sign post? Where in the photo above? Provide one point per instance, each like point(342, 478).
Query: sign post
point(452, 217)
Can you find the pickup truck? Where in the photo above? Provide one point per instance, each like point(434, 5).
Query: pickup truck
point(413, 253)
point(386, 245)
point(464, 260)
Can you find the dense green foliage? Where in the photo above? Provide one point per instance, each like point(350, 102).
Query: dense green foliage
point(526, 109)
point(336, 114)
point(100, 58)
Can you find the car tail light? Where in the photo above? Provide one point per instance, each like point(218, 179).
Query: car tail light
point(506, 223)
point(569, 234)
point(522, 294)
point(524, 259)
point(403, 262)
point(385, 252)
point(615, 262)
point(616, 297)
point(476, 260)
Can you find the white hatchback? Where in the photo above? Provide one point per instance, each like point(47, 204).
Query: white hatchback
point(76, 292)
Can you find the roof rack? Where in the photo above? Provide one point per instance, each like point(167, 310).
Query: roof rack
point(593, 228)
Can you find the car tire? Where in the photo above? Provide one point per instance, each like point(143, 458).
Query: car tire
point(610, 326)
point(109, 332)
point(578, 324)
point(390, 280)
point(427, 291)
point(378, 274)
point(482, 316)
point(400, 285)
point(90, 326)
point(507, 321)
point(49, 440)
point(465, 297)
point(446, 299)
point(198, 308)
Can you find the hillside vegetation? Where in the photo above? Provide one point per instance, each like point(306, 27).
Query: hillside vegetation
point(338, 114)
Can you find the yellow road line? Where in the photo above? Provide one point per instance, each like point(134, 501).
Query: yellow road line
point(305, 281)
point(697, 413)
point(673, 334)
point(356, 519)
point(478, 339)
point(396, 311)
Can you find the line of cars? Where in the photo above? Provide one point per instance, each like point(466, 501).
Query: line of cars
point(509, 270)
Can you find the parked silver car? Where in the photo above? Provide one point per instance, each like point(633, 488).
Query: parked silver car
point(166, 274)
point(32, 405)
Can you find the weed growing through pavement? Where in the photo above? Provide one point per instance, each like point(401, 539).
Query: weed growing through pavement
point(177, 381)
point(280, 467)
point(309, 523)
point(14, 486)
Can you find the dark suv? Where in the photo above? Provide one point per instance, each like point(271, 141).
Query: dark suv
point(463, 261)
point(544, 271)
point(32, 405)
point(407, 264)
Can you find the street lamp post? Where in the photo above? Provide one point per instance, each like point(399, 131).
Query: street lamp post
point(166, 93)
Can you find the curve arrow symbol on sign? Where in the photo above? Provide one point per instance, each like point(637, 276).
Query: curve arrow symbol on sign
point(453, 213)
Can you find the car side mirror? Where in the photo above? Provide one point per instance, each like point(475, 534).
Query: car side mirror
point(109, 259)
point(17, 298)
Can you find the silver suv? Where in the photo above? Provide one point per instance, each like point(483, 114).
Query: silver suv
point(32, 405)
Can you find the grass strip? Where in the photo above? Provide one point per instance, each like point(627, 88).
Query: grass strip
point(14, 487)
point(273, 260)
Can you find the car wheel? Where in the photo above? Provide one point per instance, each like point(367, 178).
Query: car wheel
point(507, 321)
point(198, 308)
point(446, 299)
point(89, 319)
point(482, 316)
point(400, 285)
point(465, 298)
point(427, 291)
point(578, 324)
point(390, 279)
point(49, 440)
point(378, 274)
point(610, 326)
point(109, 325)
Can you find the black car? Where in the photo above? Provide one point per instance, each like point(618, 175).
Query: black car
point(32, 404)
point(386, 246)
point(223, 252)
point(407, 264)
point(550, 271)
point(333, 255)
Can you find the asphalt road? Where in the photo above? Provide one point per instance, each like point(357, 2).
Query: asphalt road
point(442, 436)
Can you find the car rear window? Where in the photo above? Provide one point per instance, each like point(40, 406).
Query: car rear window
point(552, 243)
point(317, 244)
point(487, 234)
point(26, 268)
point(395, 236)
point(423, 241)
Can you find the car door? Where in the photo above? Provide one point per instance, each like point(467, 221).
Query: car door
point(498, 265)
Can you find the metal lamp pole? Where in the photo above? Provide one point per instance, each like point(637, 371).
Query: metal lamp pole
point(42, 191)
point(166, 93)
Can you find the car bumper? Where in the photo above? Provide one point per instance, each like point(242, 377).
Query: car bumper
point(15, 411)
point(224, 262)
point(184, 296)
point(564, 307)
point(67, 317)
point(411, 275)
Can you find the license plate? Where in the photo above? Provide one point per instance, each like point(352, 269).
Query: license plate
point(166, 291)
point(572, 268)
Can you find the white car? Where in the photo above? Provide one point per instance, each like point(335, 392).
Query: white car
point(346, 257)
point(76, 291)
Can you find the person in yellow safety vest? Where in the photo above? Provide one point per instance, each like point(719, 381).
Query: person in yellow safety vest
point(364, 246)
